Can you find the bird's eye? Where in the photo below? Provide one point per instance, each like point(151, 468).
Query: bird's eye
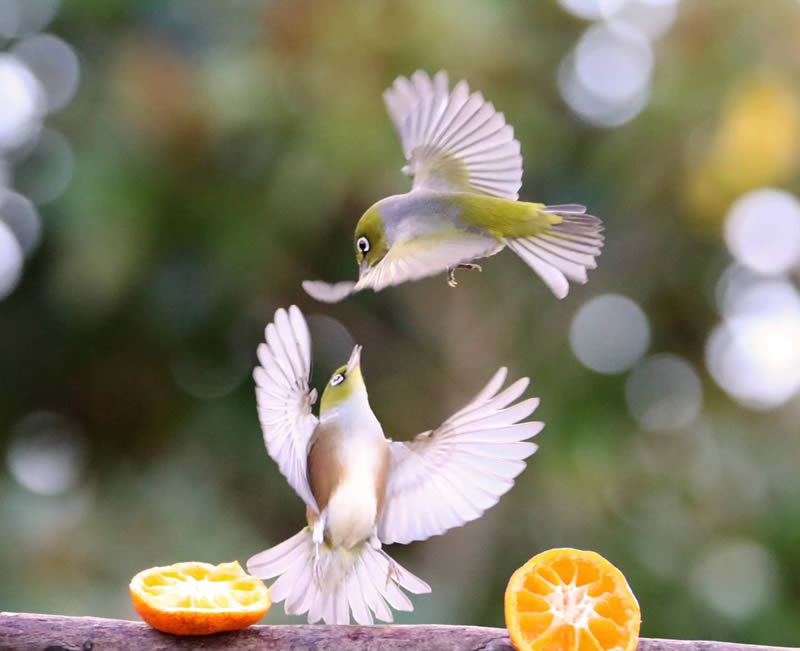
point(363, 244)
point(337, 379)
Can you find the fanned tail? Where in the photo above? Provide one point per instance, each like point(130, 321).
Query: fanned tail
point(564, 252)
point(364, 579)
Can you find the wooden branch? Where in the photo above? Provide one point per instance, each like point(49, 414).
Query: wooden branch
point(28, 632)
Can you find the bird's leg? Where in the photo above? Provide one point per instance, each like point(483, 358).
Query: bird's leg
point(374, 541)
point(451, 271)
point(318, 536)
point(451, 277)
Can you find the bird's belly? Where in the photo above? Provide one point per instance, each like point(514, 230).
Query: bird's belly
point(352, 509)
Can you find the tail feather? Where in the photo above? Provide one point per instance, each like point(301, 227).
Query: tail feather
point(364, 580)
point(276, 560)
point(371, 594)
point(564, 252)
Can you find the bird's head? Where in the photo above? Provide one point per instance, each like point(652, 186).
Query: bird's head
point(370, 239)
point(345, 384)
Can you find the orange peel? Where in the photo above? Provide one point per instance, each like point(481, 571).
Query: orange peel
point(194, 598)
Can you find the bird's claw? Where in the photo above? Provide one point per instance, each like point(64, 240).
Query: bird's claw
point(451, 277)
point(451, 271)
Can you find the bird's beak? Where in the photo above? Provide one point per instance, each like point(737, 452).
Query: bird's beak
point(363, 268)
point(355, 359)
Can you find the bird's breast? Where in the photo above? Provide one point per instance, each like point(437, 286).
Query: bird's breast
point(349, 473)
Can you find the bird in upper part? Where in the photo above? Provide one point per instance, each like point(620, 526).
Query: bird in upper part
point(463, 204)
point(363, 490)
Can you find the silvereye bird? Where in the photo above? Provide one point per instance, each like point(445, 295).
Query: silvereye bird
point(363, 490)
point(463, 206)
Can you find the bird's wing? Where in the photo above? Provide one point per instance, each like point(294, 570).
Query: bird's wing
point(285, 399)
point(453, 141)
point(451, 475)
point(326, 292)
point(406, 260)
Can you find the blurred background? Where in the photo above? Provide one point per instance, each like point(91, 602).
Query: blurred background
point(171, 171)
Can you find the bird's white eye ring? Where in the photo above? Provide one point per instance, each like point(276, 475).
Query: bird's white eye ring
point(337, 379)
point(363, 244)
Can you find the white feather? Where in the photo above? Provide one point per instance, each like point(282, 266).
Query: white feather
point(284, 397)
point(566, 251)
point(362, 580)
point(451, 475)
point(445, 134)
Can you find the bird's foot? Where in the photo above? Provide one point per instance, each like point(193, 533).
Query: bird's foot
point(451, 271)
point(451, 277)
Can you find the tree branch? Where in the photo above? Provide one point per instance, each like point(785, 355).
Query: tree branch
point(29, 632)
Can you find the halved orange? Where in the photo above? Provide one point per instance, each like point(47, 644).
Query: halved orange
point(571, 600)
point(199, 598)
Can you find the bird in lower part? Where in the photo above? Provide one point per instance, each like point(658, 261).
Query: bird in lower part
point(463, 205)
point(363, 490)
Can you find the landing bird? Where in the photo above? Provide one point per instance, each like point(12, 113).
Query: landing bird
point(363, 490)
point(463, 205)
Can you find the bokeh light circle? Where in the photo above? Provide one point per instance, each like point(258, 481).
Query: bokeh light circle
point(606, 79)
point(592, 9)
point(27, 16)
point(762, 231)
point(754, 354)
point(651, 17)
point(11, 260)
point(736, 578)
point(664, 393)
point(47, 453)
point(23, 103)
point(18, 213)
point(45, 172)
point(609, 333)
point(55, 65)
point(9, 19)
point(613, 64)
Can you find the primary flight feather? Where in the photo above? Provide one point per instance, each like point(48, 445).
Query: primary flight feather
point(463, 204)
point(363, 490)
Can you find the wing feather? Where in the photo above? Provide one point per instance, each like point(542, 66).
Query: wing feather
point(451, 475)
point(408, 260)
point(449, 137)
point(285, 399)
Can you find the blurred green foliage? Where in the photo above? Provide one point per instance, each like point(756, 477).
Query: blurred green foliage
point(223, 153)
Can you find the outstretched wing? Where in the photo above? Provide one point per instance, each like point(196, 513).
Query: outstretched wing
point(451, 475)
point(453, 141)
point(409, 260)
point(285, 399)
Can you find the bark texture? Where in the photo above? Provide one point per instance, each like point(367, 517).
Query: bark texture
point(30, 632)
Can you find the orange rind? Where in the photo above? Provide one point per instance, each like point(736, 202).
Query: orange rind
point(194, 598)
point(571, 600)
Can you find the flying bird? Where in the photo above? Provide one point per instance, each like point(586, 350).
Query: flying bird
point(362, 490)
point(463, 204)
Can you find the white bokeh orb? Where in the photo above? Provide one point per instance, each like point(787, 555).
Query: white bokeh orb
point(762, 231)
point(609, 333)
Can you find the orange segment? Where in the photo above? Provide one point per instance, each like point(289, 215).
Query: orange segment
point(199, 598)
point(571, 600)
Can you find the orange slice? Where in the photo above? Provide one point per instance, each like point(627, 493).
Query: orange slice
point(571, 600)
point(199, 598)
